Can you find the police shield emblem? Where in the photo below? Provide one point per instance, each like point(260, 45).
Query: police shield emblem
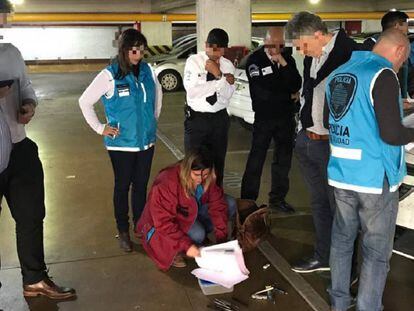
point(342, 89)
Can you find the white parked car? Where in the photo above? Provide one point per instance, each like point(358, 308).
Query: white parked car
point(169, 67)
point(240, 105)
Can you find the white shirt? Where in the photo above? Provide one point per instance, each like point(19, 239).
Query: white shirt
point(104, 85)
point(198, 88)
point(12, 67)
point(318, 100)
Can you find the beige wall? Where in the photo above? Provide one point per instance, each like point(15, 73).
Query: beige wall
point(382, 5)
point(66, 6)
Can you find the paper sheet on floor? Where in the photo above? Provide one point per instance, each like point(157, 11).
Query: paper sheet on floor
point(222, 264)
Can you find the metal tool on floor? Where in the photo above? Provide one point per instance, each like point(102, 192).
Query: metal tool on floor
point(222, 305)
point(268, 293)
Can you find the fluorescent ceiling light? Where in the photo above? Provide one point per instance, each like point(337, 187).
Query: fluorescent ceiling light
point(17, 2)
point(314, 1)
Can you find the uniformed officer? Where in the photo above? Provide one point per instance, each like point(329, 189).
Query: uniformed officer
point(209, 83)
point(273, 78)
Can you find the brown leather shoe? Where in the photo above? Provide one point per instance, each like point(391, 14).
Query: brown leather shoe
point(179, 261)
point(48, 288)
point(125, 242)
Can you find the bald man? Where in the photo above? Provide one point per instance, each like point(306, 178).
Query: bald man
point(366, 165)
point(273, 78)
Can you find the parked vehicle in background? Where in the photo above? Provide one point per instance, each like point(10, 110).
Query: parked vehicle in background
point(169, 68)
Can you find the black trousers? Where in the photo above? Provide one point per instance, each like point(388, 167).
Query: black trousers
point(24, 192)
point(211, 131)
point(131, 170)
point(282, 132)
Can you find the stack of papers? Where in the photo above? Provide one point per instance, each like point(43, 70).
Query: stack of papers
point(222, 264)
point(408, 121)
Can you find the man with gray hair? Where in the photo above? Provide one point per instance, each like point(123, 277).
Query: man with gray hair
point(366, 165)
point(324, 52)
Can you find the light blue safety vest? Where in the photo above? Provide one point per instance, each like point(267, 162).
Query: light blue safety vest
point(359, 157)
point(131, 108)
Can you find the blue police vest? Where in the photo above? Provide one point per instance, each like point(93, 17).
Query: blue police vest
point(131, 108)
point(360, 159)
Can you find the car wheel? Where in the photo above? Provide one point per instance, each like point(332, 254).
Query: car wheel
point(170, 80)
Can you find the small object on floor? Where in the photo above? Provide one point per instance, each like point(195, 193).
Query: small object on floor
point(179, 261)
point(210, 288)
point(266, 266)
point(268, 293)
point(310, 265)
point(221, 304)
point(283, 207)
point(124, 241)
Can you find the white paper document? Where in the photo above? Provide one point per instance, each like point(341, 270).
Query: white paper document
point(408, 121)
point(222, 264)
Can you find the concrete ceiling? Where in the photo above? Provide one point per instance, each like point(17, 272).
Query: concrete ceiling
point(188, 6)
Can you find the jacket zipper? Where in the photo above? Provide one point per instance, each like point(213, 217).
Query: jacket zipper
point(145, 93)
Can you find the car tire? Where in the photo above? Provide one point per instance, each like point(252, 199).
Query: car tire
point(170, 80)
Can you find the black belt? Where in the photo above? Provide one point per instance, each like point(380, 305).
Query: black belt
point(207, 114)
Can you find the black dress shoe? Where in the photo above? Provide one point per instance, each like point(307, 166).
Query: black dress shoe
point(310, 265)
point(125, 242)
point(283, 206)
point(48, 288)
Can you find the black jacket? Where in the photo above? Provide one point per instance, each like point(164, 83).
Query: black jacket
point(339, 55)
point(271, 86)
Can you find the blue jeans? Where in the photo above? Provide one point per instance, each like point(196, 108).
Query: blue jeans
point(376, 215)
point(203, 225)
point(313, 156)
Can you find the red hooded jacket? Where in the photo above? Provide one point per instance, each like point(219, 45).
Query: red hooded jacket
point(169, 214)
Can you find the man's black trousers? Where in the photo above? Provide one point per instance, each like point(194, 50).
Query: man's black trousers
point(282, 132)
point(211, 131)
point(24, 192)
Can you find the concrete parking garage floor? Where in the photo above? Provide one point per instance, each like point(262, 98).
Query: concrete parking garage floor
point(81, 250)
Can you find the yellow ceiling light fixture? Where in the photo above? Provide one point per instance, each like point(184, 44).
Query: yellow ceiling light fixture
point(314, 1)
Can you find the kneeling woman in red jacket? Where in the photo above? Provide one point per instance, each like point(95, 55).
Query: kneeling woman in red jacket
point(183, 206)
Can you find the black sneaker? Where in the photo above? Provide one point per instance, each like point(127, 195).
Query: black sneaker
point(283, 207)
point(310, 265)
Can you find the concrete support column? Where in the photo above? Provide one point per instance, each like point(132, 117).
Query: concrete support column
point(234, 16)
point(157, 33)
point(371, 26)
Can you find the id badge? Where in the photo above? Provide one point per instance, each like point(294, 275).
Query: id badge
point(267, 70)
point(123, 90)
